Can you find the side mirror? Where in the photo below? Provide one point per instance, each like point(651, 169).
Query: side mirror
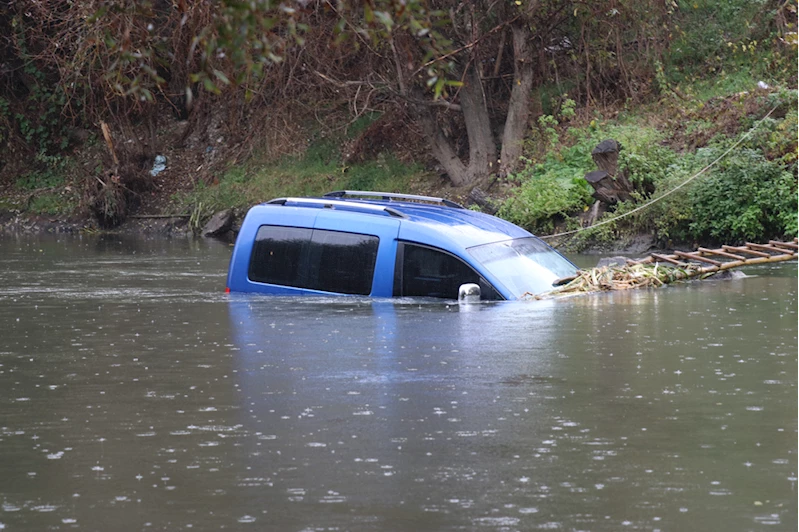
point(469, 293)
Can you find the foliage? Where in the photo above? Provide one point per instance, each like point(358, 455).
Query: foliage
point(37, 180)
point(318, 171)
point(643, 159)
point(130, 52)
point(78, 62)
point(747, 198)
point(554, 188)
point(775, 137)
point(548, 123)
point(733, 41)
point(37, 118)
point(51, 172)
point(612, 48)
point(608, 231)
point(52, 203)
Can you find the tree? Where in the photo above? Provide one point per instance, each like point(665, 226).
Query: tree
point(463, 57)
point(464, 69)
point(475, 68)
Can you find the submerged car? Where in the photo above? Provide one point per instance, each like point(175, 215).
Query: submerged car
point(382, 244)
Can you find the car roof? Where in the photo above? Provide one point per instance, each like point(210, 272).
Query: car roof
point(424, 219)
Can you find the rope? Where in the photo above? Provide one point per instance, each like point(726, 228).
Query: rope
point(647, 204)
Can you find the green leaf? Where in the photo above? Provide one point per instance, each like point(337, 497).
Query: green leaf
point(209, 86)
point(221, 77)
point(385, 19)
point(439, 88)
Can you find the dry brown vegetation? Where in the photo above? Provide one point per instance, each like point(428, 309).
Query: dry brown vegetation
point(211, 84)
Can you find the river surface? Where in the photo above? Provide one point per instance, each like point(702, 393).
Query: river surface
point(136, 395)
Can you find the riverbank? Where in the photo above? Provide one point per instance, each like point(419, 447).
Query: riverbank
point(17, 223)
point(749, 193)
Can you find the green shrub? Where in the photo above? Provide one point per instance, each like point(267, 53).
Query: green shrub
point(747, 197)
point(41, 179)
point(711, 37)
point(646, 163)
point(553, 189)
point(51, 172)
point(52, 204)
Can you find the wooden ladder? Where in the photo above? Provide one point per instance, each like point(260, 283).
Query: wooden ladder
point(727, 257)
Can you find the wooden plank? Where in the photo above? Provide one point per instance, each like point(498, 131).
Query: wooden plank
point(746, 251)
point(764, 247)
point(721, 253)
point(788, 245)
point(697, 256)
point(664, 258)
point(688, 272)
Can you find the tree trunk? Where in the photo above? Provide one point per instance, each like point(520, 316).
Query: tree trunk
point(610, 185)
point(482, 150)
point(519, 103)
point(440, 146)
point(483, 200)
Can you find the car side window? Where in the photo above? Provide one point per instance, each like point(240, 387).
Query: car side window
point(314, 259)
point(428, 272)
point(344, 262)
point(278, 254)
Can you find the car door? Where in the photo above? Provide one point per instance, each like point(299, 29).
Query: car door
point(342, 246)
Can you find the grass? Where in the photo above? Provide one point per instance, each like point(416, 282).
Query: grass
point(52, 203)
point(319, 171)
point(724, 84)
point(554, 188)
point(10, 204)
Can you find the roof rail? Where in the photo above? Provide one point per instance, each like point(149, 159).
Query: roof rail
point(390, 196)
point(332, 204)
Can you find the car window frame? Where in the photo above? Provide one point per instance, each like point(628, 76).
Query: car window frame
point(488, 292)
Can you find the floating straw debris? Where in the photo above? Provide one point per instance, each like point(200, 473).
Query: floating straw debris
point(658, 269)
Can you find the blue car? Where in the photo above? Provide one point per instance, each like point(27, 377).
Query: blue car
point(382, 244)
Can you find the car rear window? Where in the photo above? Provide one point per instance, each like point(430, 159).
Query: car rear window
point(314, 259)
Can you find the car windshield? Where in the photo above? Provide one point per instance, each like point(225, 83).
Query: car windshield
point(523, 265)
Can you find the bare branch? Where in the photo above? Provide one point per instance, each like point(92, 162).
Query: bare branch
point(467, 46)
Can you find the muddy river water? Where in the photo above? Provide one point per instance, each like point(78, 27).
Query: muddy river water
point(136, 395)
